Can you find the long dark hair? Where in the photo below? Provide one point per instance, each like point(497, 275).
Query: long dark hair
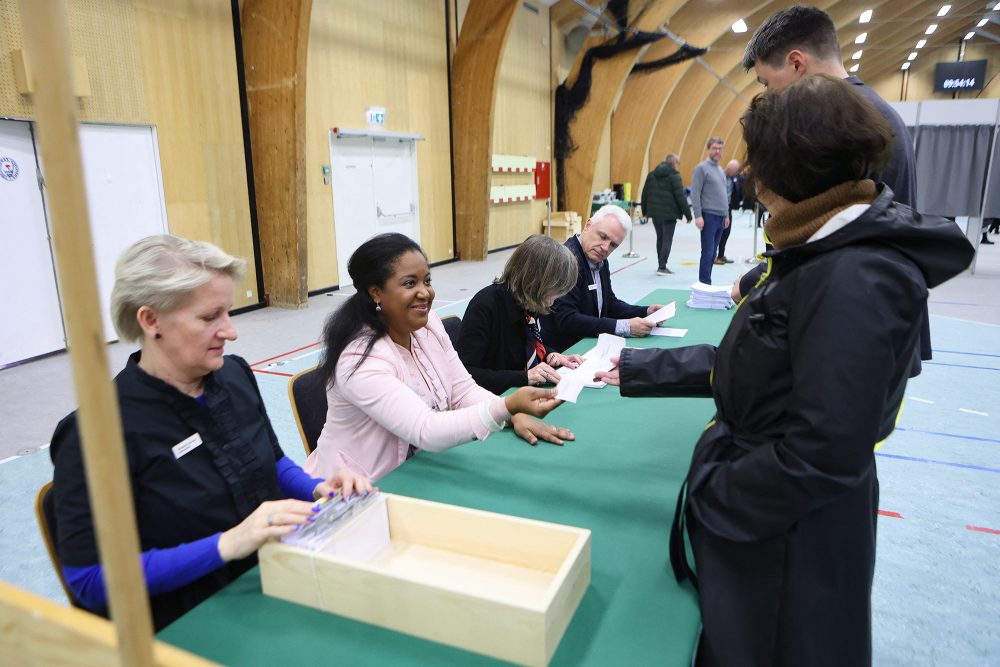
point(371, 265)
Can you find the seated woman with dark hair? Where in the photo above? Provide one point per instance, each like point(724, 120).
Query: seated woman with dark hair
point(395, 383)
point(781, 497)
point(208, 475)
point(502, 343)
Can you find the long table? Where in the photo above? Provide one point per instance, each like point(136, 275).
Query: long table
point(619, 479)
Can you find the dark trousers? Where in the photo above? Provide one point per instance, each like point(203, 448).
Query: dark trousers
point(725, 236)
point(711, 232)
point(664, 240)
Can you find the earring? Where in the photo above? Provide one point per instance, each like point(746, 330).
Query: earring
point(378, 307)
point(158, 335)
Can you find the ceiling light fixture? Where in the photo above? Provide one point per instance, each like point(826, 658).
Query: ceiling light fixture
point(912, 56)
point(856, 56)
point(905, 66)
point(982, 23)
point(969, 36)
point(860, 39)
point(866, 16)
point(921, 43)
point(740, 26)
point(854, 68)
point(931, 28)
point(944, 10)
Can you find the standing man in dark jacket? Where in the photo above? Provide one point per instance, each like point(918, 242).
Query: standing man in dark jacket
point(664, 201)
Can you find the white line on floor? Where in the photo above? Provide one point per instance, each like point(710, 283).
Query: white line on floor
point(974, 412)
point(307, 354)
point(8, 459)
point(921, 400)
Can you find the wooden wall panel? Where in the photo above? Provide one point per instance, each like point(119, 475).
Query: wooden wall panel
point(522, 122)
point(392, 54)
point(171, 64)
point(187, 56)
point(103, 33)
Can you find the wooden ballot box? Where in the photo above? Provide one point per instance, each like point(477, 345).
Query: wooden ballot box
point(494, 584)
point(564, 225)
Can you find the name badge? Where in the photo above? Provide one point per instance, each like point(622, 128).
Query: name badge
point(186, 445)
point(592, 288)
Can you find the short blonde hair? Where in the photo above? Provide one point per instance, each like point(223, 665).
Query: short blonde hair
point(161, 272)
point(539, 268)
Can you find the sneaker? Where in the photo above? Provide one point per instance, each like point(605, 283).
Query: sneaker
point(725, 259)
point(719, 260)
point(987, 242)
point(663, 272)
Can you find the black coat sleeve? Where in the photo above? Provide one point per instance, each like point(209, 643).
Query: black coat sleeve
point(480, 326)
point(615, 307)
point(261, 409)
point(681, 371)
point(571, 324)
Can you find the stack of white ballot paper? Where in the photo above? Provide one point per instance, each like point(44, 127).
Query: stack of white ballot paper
point(598, 358)
point(711, 296)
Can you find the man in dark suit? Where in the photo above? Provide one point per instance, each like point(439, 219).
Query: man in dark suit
point(591, 307)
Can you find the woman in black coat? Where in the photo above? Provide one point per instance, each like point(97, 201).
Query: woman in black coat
point(780, 503)
point(502, 342)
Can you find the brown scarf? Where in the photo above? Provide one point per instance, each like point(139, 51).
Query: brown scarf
point(794, 223)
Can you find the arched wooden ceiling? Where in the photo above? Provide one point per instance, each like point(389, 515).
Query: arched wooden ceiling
point(676, 108)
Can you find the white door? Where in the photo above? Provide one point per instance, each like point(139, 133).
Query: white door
point(32, 321)
point(353, 197)
point(394, 173)
point(121, 169)
point(374, 191)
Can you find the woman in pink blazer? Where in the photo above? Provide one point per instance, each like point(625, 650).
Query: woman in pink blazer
point(395, 383)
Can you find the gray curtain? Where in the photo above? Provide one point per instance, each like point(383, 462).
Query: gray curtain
point(951, 168)
point(993, 192)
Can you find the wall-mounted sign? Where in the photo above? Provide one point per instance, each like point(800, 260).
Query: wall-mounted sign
point(953, 77)
point(375, 115)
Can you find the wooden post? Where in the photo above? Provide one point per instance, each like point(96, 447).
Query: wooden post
point(47, 41)
point(474, 76)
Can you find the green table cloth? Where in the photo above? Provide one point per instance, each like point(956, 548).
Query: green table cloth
point(619, 479)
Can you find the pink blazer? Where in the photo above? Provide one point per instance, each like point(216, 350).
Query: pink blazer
point(374, 414)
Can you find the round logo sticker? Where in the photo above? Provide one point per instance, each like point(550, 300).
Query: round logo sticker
point(8, 169)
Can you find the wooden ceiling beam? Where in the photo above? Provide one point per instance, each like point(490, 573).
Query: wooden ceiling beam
point(474, 76)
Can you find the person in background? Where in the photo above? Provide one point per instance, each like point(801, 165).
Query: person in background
point(591, 307)
point(395, 384)
point(664, 202)
point(502, 343)
point(734, 189)
point(781, 498)
point(711, 206)
point(209, 480)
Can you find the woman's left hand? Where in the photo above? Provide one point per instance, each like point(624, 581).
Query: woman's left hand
point(345, 480)
point(556, 360)
point(531, 430)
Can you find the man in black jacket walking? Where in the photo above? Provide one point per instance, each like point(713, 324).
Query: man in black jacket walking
point(664, 201)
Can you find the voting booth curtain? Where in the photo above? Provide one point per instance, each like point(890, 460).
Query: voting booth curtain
point(952, 165)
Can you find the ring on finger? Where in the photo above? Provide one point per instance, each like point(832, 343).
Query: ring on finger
point(270, 519)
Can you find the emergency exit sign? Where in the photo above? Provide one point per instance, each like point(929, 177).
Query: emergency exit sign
point(375, 115)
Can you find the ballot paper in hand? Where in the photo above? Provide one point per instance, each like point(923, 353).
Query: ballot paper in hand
point(662, 314)
point(597, 358)
point(716, 297)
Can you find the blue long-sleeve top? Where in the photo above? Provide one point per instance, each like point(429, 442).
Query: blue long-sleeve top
point(168, 569)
